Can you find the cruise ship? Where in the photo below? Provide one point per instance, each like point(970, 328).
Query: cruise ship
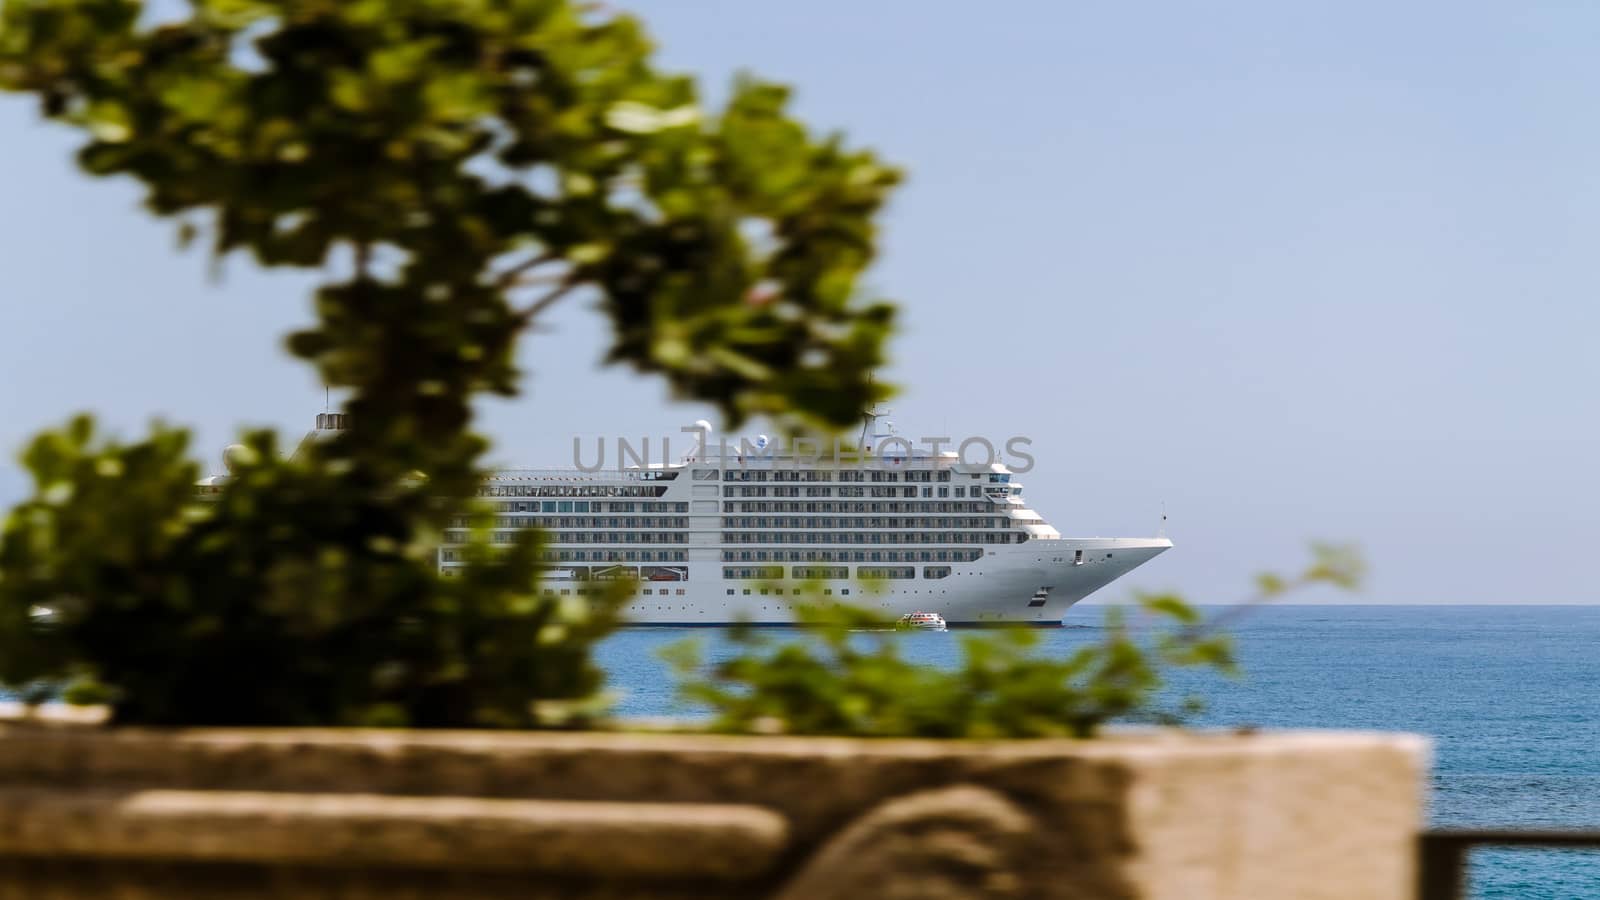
point(734, 537)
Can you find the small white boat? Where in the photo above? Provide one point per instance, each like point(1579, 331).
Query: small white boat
point(921, 621)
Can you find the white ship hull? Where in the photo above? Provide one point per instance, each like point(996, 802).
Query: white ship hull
point(1001, 588)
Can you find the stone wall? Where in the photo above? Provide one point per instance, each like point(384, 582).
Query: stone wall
point(137, 814)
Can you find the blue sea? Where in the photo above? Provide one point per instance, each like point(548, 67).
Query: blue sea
point(1510, 696)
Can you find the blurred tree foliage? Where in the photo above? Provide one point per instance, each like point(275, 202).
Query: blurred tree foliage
point(463, 164)
point(847, 677)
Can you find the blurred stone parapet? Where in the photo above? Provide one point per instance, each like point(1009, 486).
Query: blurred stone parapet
point(177, 814)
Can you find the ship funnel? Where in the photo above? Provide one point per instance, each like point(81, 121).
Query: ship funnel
point(332, 422)
point(329, 425)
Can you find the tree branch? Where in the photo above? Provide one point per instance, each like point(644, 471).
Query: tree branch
point(527, 315)
point(1216, 623)
point(511, 276)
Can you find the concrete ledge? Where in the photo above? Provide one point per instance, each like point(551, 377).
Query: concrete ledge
point(653, 840)
point(366, 814)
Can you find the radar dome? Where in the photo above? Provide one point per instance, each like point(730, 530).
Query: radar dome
point(702, 425)
point(235, 456)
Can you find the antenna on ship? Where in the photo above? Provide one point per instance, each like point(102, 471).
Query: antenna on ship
point(867, 415)
point(869, 422)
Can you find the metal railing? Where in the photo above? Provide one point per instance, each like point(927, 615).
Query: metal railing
point(1442, 854)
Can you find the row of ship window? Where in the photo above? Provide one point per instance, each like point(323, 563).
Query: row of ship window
point(921, 509)
point(663, 592)
point(851, 555)
point(773, 573)
point(583, 591)
point(582, 537)
point(907, 491)
point(629, 555)
point(755, 537)
point(828, 592)
point(588, 506)
point(875, 476)
point(875, 537)
point(591, 522)
point(549, 522)
point(863, 522)
point(809, 556)
point(843, 475)
point(849, 491)
point(615, 556)
point(572, 490)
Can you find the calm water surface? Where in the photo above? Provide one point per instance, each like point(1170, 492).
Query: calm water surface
point(1510, 696)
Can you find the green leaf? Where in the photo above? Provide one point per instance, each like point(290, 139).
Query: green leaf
point(1171, 606)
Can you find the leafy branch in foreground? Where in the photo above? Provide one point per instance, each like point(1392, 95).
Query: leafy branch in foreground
point(296, 597)
point(846, 676)
point(452, 169)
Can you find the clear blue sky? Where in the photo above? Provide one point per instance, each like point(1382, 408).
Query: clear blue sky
point(1320, 269)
